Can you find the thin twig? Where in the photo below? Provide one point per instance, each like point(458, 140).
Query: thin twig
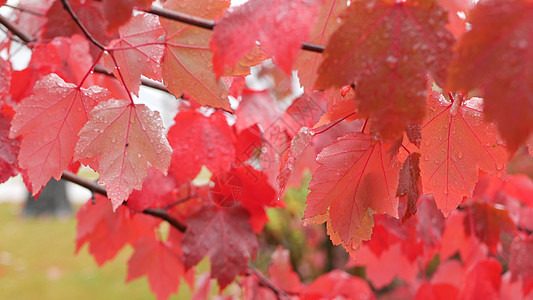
point(280, 293)
point(68, 8)
point(16, 30)
point(144, 81)
point(96, 188)
point(210, 24)
point(25, 10)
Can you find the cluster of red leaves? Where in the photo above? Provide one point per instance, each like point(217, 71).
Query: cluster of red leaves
point(381, 61)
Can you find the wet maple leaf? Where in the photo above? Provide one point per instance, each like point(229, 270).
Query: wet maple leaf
point(237, 31)
point(119, 141)
point(355, 175)
point(134, 60)
point(224, 234)
point(49, 122)
point(187, 65)
point(495, 56)
point(290, 158)
point(387, 48)
point(198, 140)
point(157, 191)
point(256, 107)
point(157, 260)
point(456, 144)
point(9, 148)
point(409, 184)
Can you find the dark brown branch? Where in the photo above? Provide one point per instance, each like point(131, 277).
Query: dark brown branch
point(68, 8)
point(146, 82)
point(96, 188)
point(210, 24)
point(280, 293)
point(16, 30)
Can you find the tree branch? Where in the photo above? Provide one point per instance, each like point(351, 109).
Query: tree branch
point(280, 293)
point(16, 30)
point(96, 188)
point(210, 24)
point(68, 8)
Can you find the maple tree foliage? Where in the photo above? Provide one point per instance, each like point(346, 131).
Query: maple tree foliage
point(394, 121)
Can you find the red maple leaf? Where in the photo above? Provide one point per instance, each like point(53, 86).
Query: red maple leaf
point(119, 141)
point(198, 140)
point(226, 236)
point(160, 263)
point(49, 123)
point(387, 48)
point(482, 280)
point(520, 263)
point(9, 148)
point(135, 57)
point(456, 144)
point(355, 175)
point(336, 284)
point(237, 31)
point(495, 56)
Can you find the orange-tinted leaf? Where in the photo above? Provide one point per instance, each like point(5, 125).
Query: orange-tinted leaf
point(119, 141)
point(198, 140)
point(187, 65)
point(494, 55)
point(136, 60)
point(280, 26)
point(388, 48)
point(160, 263)
point(49, 123)
point(456, 144)
point(327, 22)
point(342, 108)
point(226, 236)
point(355, 175)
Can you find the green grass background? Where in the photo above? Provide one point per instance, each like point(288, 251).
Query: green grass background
point(37, 261)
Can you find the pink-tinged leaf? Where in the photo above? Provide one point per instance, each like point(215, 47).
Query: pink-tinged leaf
point(455, 239)
point(118, 12)
point(307, 62)
point(338, 284)
point(409, 185)
point(119, 141)
point(160, 263)
point(387, 48)
point(49, 122)
point(456, 144)
point(489, 222)
point(482, 281)
point(279, 26)
point(9, 148)
point(355, 175)
point(520, 263)
point(291, 157)
point(107, 232)
point(5, 79)
point(380, 271)
point(256, 108)
point(495, 56)
point(281, 272)
point(226, 236)
point(449, 272)
point(187, 60)
point(305, 111)
point(199, 141)
point(137, 56)
point(202, 287)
